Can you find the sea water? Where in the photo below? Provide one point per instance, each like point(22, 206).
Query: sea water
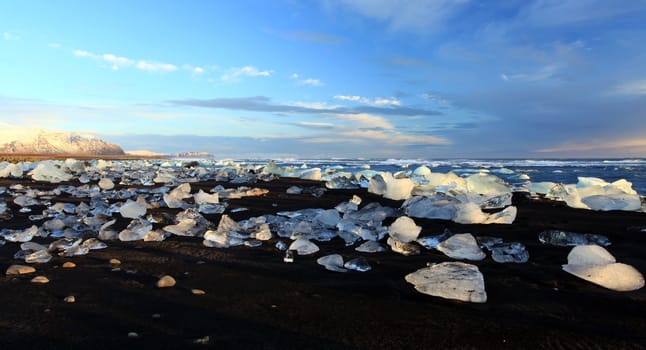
point(511, 170)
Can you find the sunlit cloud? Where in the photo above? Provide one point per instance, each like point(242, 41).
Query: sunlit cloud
point(597, 145)
point(306, 81)
point(379, 101)
point(364, 120)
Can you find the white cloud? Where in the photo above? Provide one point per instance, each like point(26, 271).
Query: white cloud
point(543, 73)
point(379, 101)
point(364, 120)
point(635, 87)
point(316, 125)
point(156, 66)
point(117, 62)
point(198, 70)
point(294, 76)
point(9, 36)
point(312, 82)
point(81, 53)
point(235, 74)
point(410, 15)
point(347, 98)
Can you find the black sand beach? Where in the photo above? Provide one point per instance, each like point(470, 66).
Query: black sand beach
point(254, 300)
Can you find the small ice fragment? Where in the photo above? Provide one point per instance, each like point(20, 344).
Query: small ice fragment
point(19, 270)
point(332, 262)
point(304, 246)
point(370, 247)
point(40, 280)
point(280, 245)
point(358, 264)
point(166, 281)
point(289, 256)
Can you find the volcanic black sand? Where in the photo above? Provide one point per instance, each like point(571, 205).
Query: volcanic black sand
point(254, 300)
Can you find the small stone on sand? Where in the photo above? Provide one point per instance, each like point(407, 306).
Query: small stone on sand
point(133, 335)
point(198, 291)
point(69, 265)
point(40, 280)
point(115, 261)
point(20, 270)
point(166, 281)
point(69, 299)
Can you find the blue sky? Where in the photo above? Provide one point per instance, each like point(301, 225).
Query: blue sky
point(335, 78)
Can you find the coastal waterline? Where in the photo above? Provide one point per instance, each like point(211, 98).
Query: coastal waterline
point(511, 170)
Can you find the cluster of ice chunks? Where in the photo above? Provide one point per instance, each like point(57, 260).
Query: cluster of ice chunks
point(592, 193)
point(334, 262)
point(446, 207)
point(504, 252)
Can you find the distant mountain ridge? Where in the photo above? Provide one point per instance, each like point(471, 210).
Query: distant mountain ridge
point(38, 141)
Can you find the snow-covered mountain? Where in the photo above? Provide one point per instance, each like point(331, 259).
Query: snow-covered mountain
point(38, 141)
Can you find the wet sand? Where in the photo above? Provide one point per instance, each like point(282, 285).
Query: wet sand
point(254, 300)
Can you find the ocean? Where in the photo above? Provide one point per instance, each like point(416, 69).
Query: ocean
point(564, 171)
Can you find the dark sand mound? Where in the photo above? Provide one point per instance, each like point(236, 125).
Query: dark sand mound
point(254, 300)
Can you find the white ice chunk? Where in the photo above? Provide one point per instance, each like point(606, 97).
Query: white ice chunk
point(304, 246)
point(48, 171)
point(202, 197)
point(404, 229)
point(133, 209)
point(311, 174)
point(450, 280)
point(106, 184)
point(332, 262)
point(595, 264)
point(14, 170)
point(370, 247)
point(462, 246)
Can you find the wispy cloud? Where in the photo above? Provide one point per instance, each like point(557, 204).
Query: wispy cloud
point(634, 87)
point(156, 66)
point(543, 73)
point(315, 125)
point(379, 101)
point(117, 62)
point(314, 37)
point(629, 143)
point(306, 81)
point(54, 45)
point(413, 15)
point(7, 36)
point(237, 73)
point(264, 104)
point(405, 61)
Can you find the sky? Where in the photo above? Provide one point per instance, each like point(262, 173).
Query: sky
point(332, 78)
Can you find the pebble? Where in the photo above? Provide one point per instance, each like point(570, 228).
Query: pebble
point(166, 281)
point(40, 279)
point(20, 270)
point(198, 291)
point(133, 335)
point(69, 299)
point(69, 265)
point(115, 261)
point(202, 341)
